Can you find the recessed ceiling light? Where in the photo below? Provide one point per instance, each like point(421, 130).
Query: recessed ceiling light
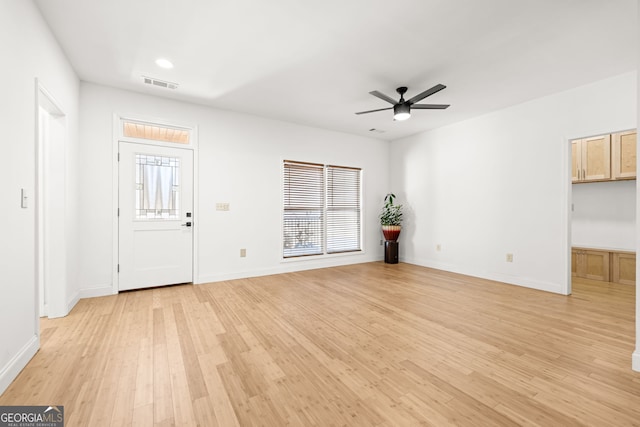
point(164, 63)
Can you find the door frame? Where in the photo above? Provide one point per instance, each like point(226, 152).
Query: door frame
point(118, 136)
point(567, 212)
point(45, 254)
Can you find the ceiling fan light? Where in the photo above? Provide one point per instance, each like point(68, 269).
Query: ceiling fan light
point(401, 112)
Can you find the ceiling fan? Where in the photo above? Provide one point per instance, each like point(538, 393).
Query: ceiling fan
point(402, 108)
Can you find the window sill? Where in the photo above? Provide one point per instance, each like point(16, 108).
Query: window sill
point(323, 256)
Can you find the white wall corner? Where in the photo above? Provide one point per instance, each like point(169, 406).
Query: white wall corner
point(635, 360)
point(526, 282)
point(64, 311)
point(81, 294)
point(18, 362)
point(72, 302)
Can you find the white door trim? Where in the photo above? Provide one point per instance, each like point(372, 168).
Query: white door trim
point(45, 254)
point(119, 136)
point(567, 213)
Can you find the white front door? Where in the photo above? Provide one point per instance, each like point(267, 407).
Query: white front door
point(155, 216)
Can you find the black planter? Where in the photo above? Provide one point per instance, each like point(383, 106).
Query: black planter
point(391, 252)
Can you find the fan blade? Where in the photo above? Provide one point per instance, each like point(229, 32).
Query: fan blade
point(429, 106)
point(383, 97)
point(428, 92)
point(373, 111)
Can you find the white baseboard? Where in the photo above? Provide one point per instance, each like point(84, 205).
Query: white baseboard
point(285, 267)
point(635, 360)
point(67, 309)
point(18, 362)
point(72, 302)
point(80, 294)
point(236, 275)
point(101, 291)
point(511, 280)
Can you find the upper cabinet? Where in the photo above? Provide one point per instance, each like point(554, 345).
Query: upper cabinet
point(591, 159)
point(604, 157)
point(623, 152)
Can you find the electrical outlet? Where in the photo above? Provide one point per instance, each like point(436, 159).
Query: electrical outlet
point(509, 257)
point(243, 253)
point(438, 247)
point(380, 242)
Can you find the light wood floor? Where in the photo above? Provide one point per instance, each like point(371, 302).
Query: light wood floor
point(362, 345)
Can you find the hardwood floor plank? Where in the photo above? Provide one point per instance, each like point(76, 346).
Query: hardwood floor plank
point(360, 345)
point(162, 392)
point(218, 394)
point(142, 416)
point(143, 394)
point(189, 358)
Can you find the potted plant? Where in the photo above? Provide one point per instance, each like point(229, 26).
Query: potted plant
point(391, 218)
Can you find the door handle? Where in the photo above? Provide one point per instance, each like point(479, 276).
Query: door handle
point(186, 224)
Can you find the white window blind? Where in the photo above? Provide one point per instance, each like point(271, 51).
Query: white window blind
point(343, 209)
point(303, 209)
point(322, 209)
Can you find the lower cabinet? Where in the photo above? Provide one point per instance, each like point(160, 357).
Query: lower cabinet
point(590, 264)
point(624, 268)
point(606, 266)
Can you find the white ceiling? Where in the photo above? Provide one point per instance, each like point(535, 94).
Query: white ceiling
point(314, 62)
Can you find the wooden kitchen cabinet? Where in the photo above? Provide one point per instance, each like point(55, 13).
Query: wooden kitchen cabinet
point(623, 155)
point(590, 264)
point(624, 268)
point(591, 159)
point(604, 158)
point(576, 160)
point(574, 262)
point(604, 265)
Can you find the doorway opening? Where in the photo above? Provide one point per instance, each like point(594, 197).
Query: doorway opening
point(156, 211)
point(603, 208)
point(50, 200)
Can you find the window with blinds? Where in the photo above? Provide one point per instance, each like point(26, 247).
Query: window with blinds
point(322, 209)
point(343, 209)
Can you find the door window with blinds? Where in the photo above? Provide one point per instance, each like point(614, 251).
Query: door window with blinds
point(322, 209)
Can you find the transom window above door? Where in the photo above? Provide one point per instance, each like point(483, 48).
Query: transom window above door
point(155, 132)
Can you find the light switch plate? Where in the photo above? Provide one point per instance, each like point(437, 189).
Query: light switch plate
point(23, 199)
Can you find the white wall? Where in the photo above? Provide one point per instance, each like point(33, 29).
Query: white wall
point(240, 161)
point(499, 184)
point(604, 215)
point(30, 52)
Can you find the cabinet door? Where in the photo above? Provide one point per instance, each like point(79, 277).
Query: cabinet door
point(596, 158)
point(596, 265)
point(576, 160)
point(624, 268)
point(624, 155)
point(575, 256)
